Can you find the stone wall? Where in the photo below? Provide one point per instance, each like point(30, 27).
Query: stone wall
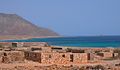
point(46, 49)
point(1, 56)
point(107, 54)
point(80, 58)
point(23, 44)
point(11, 56)
point(33, 55)
point(28, 44)
point(2, 44)
point(55, 58)
point(64, 58)
point(40, 48)
point(115, 54)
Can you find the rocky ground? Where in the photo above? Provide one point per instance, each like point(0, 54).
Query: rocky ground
point(51, 67)
point(30, 65)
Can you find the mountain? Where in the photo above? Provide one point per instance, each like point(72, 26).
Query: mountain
point(12, 24)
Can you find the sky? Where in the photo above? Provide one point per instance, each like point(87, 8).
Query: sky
point(69, 17)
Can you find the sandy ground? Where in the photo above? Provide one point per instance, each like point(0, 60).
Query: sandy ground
point(29, 65)
point(11, 37)
point(32, 64)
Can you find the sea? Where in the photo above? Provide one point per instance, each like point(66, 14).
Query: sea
point(78, 41)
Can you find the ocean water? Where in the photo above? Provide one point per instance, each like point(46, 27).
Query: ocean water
point(80, 41)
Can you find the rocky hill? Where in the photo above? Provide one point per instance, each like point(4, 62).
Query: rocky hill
point(12, 24)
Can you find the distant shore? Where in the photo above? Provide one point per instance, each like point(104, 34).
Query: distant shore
point(84, 47)
point(86, 42)
point(17, 37)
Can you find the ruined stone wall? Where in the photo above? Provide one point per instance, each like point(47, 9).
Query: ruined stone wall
point(80, 58)
point(2, 44)
point(17, 56)
point(23, 44)
point(40, 48)
point(11, 56)
point(46, 49)
point(115, 54)
point(64, 58)
point(34, 56)
point(1, 56)
point(55, 58)
point(27, 44)
point(20, 44)
point(107, 54)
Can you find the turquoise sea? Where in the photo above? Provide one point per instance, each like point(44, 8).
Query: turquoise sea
point(79, 41)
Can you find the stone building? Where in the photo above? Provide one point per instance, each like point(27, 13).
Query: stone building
point(33, 55)
point(22, 44)
point(42, 44)
point(2, 44)
point(43, 53)
point(106, 54)
point(56, 58)
point(52, 55)
point(11, 56)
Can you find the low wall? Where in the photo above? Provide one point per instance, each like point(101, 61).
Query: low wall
point(11, 56)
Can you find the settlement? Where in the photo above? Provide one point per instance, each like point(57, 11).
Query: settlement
point(42, 54)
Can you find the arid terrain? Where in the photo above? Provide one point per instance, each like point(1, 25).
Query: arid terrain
point(13, 25)
point(41, 56)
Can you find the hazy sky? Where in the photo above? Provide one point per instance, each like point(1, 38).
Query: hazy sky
point(69, 17)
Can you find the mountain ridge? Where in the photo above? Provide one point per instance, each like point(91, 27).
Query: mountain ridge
point(12, 24)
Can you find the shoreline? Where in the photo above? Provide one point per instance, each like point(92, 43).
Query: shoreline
point(82, 47)
point(22, 37)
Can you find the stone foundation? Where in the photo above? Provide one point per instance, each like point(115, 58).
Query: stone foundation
point(11, 56)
